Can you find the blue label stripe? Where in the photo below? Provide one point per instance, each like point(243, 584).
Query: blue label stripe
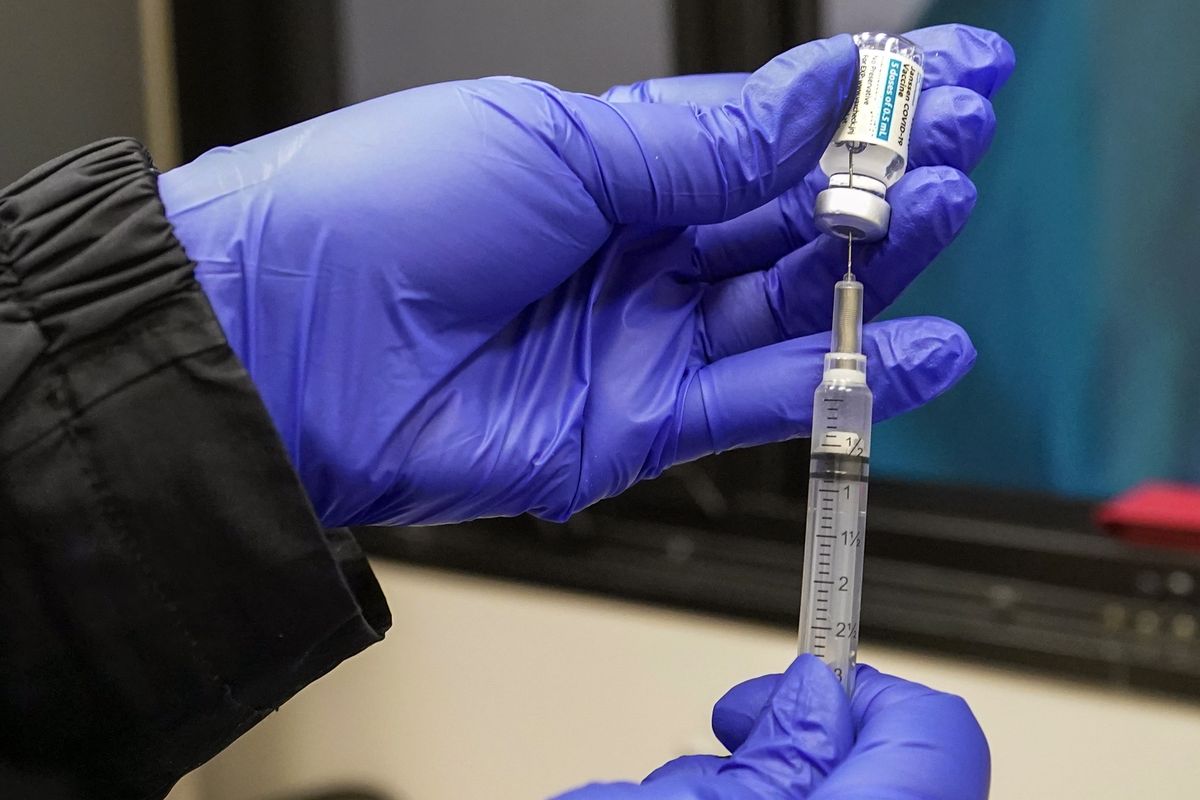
point(891, 88)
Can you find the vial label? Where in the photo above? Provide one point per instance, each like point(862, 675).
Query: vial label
point(888, 84)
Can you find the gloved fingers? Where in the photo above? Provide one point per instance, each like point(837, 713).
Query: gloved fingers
point(961, 55)
point(695, 766)
point(700, 90)
point(765, 395)
point(753, 241)
point(953, 126)
point(794, 297)
point(804, 731)
point(913, 743)
point(734, 714)
point(955, 55)
point(668, 164)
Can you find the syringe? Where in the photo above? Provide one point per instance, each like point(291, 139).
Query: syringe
point(855, 207)
point(837, 492)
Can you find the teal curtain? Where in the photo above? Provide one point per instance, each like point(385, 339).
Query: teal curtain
point(1078, 277)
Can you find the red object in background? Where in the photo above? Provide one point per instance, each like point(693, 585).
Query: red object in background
point(1160, 514)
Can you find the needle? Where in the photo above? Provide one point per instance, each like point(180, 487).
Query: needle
point(849, 256)
point(850, 234)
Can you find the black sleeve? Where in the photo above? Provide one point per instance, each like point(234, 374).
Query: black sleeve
point(164, 582)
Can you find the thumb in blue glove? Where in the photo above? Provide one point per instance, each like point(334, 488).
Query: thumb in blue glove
point(797, 736)
point(800, 732)
point(911, 742)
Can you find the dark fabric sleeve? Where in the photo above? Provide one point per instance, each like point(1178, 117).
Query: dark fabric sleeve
point(164, 582)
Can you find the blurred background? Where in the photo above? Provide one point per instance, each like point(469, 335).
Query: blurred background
point(528, 657)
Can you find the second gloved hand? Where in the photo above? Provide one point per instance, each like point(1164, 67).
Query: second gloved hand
point(490, 297)
point(797, 736)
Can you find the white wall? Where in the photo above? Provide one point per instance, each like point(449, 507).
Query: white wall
point(490, 689)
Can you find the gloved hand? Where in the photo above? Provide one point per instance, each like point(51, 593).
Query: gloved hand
point(489, 297)
point(797, 737)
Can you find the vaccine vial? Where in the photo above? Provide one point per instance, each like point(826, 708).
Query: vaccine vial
point(869, 152)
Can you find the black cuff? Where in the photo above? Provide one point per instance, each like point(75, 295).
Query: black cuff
point(164, 583)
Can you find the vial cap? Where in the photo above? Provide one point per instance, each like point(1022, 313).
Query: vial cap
point(842, 211)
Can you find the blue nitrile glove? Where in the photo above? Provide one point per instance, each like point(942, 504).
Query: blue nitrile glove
point(488, 297)
point(797, 737)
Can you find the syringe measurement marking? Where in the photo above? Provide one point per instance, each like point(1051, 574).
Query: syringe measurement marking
point(829, 534)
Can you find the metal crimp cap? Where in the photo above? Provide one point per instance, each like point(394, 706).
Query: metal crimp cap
point(842, 211)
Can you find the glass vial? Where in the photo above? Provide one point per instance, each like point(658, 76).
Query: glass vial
point(869, 152)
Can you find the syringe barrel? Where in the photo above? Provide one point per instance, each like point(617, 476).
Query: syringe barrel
point(836, 525)
point(847, 317)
